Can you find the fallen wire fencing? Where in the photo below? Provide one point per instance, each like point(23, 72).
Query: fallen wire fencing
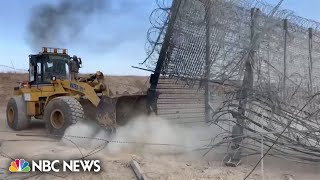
point(94, 150)
point(84, 153)
point(270, 59)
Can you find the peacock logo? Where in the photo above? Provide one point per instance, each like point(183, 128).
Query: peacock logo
point(19, 165)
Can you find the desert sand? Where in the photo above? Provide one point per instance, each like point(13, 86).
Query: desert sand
point(158, 162)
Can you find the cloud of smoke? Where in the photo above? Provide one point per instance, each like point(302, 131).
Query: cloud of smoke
point(85, 135)
point(152, 135)
point(172, 137)
point(65, 23)
point(61, 23)
point(141, 135)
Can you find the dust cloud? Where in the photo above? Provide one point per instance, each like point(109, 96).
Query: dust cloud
point(87, 135)
point(140, 135)
point(154, 134)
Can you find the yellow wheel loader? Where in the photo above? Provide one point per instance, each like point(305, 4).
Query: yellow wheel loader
point(51, 95)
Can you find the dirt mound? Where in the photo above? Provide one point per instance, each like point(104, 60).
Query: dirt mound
point(127, 84)
point(7, 82)
point(117, 84)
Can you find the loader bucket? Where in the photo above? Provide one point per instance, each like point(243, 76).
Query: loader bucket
point(117, 111)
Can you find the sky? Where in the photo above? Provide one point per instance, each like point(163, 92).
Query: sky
point(111, 40)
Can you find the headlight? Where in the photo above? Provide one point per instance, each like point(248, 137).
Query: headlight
point(53, 78)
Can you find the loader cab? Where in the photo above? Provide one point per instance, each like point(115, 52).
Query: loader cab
point(48, 65)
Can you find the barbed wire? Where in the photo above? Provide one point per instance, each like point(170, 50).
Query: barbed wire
point(13, 68)
point(104, 140)
point(72, 139)
point(284, 56)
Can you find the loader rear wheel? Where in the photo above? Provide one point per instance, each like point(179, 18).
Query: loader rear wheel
point(62, 112)
point(17, 117)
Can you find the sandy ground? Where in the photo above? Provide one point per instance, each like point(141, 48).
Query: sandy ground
point(157, 165)
point(157, 162)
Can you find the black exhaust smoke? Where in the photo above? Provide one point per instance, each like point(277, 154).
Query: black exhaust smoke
point(61, 24)
point(69, 24)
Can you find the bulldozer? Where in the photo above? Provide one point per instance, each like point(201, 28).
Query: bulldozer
point(52, 96)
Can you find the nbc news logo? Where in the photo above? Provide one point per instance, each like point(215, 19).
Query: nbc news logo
point(20, 165)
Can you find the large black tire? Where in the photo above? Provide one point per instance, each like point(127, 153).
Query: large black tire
point(17, 117)
point(60, 113)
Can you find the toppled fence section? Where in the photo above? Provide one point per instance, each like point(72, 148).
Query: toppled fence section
point(270, 56)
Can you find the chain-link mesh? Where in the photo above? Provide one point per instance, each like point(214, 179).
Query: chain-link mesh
point(282, 50)
point(230, 41)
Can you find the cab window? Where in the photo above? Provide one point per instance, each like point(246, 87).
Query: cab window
point(31, 73)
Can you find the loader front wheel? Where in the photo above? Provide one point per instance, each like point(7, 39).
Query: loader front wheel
point(62, 112)
point(17, 118)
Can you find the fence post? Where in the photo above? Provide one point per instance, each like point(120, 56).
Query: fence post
point(285, 28)
point(246, 91)
point(208, 59)
point(154, 79)
point(310, 62)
